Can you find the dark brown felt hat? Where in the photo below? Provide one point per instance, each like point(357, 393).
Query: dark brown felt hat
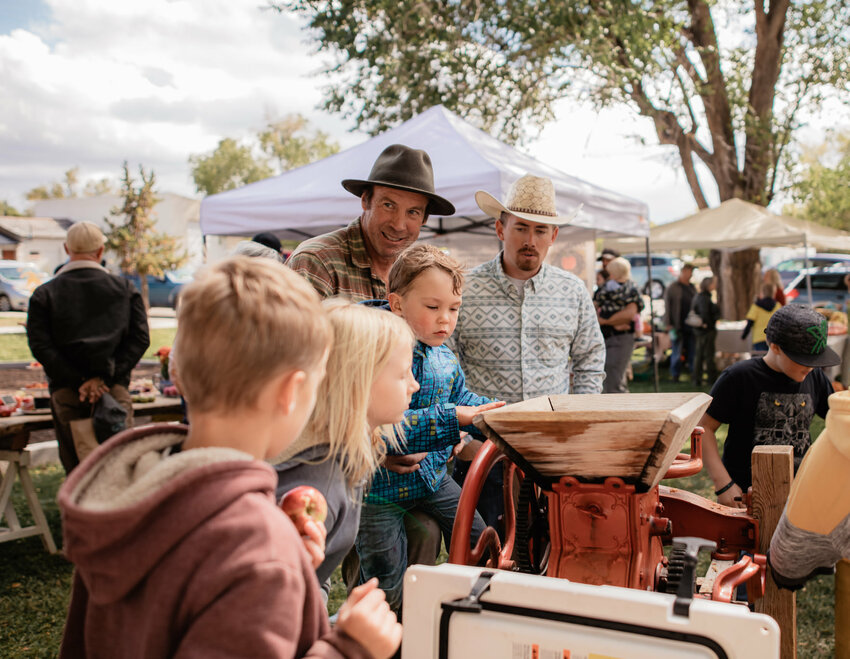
point(403, 168)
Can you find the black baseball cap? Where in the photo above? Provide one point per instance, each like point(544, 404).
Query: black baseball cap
point(608, 252)
point(801, 332)
point(268, 239)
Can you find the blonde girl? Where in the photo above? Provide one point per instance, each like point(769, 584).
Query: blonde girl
point(368, 385)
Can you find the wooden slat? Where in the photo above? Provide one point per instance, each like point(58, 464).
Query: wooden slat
point(773, 471)
point(706, 583)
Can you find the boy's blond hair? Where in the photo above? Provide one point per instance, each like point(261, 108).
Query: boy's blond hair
point(768, 289)
point(619, 269)
point(242, 322)
point(363, 339)
point(415, 260)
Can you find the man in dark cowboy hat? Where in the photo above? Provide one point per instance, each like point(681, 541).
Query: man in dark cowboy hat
point(397, 199)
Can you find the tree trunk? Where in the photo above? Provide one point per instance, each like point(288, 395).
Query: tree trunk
point(143, 284)
point(738, 276)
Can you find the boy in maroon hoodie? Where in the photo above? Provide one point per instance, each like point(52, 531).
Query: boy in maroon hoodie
point(179, 547)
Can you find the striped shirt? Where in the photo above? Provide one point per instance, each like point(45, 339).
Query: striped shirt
point(516, 347)
point(337, 263)
point(432, 426)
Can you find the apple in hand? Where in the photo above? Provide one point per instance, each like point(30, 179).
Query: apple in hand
point(304, 503)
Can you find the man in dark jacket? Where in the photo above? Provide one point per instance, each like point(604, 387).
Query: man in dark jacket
point(88, 329)
point(677, 303)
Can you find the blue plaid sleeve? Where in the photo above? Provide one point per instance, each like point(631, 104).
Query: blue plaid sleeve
point(463, 396)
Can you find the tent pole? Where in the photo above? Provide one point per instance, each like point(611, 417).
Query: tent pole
point(651, 317)
point(806, 264)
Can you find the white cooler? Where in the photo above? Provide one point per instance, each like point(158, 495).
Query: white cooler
point(459, 612)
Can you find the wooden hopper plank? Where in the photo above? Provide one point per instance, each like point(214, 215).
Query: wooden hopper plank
point(633, 436)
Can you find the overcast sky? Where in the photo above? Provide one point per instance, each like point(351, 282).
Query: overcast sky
point(92, 83)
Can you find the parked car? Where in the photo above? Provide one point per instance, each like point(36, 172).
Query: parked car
point(828, 288)
point(790, 268)
point(665, 270)
point(164, 291)
point(18, 279)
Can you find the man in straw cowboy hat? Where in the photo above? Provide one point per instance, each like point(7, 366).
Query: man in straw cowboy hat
point(396, 198)
point(525, 327)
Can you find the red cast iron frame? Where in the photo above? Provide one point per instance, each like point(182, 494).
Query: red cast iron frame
point(611, 533)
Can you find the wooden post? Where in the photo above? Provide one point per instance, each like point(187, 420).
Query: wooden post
point(773, 471)
point(842, 610)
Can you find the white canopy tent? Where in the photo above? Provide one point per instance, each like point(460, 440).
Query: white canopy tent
point(309, 201)
point(738, 224)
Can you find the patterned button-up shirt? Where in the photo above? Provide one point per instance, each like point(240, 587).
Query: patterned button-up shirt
point(513, 348)
point(431, 425)
point(337, 263)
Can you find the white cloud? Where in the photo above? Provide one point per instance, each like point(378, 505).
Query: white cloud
point(92, 83)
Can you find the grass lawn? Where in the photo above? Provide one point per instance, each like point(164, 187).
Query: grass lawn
point(14, 348)
point(35, 587)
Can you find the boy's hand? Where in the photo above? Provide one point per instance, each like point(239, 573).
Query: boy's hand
point(366, 617)
point(728, 497)
point(404, 464)
point(314, 534)
point(92, 389)
point(465, 414)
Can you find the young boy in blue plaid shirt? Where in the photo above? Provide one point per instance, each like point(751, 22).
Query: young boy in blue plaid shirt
point(425, 289)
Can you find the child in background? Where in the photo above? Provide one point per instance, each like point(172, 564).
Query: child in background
point(342, 445)
point(179, 546)
point(758, 315)
point(425, 289)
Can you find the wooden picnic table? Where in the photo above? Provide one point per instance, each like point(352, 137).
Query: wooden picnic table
point(14, 438)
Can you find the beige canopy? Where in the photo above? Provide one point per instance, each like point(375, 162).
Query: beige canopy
point(737, 224)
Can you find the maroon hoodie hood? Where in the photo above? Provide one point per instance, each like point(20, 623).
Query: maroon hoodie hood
point(136, 491)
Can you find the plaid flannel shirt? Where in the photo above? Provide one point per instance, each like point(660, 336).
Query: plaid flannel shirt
point(337, 263)
point(513, 348)
point(432, 426)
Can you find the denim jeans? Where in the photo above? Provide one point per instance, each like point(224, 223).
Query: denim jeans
point(685, 343)
point(382, 542)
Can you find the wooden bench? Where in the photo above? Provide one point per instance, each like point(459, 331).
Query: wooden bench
point(14, 439)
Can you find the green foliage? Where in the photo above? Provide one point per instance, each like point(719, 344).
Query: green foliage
point(139, 247)
point(6, 209)
point(821, 193)
point(70, 188)
point(282, 145)
point(229, 166)
point(721, 81)
point(290, 143)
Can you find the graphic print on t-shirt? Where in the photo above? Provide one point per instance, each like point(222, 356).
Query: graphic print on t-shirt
point(784, 419)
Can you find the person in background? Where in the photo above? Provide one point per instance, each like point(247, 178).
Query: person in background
point(88, 329)
point(343, 443)
point(677, 303)
point(269, 240)
point(759, 314)
point(706, 335)
point(619, 296)
point(254, 249)
point(772, 276)
point(607, 256)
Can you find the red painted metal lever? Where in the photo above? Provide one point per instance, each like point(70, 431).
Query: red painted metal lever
point(750, 570)
point(688, 465)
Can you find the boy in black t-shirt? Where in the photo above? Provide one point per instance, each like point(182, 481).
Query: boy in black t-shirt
point(770, 400)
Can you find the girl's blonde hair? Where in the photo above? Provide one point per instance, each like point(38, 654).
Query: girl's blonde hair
point(363, 339)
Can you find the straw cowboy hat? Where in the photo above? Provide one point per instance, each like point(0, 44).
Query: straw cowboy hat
point(530, 198)
point(403, 168)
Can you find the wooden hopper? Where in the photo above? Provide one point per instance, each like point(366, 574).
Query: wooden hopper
point(593, 436)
